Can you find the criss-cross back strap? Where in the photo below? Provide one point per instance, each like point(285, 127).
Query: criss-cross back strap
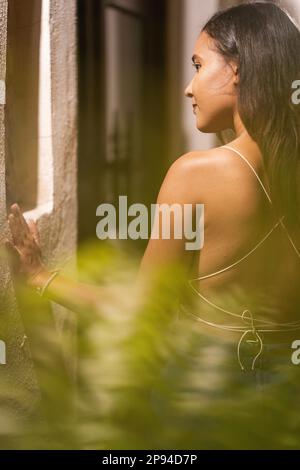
point(279, 222)
point(269, 199)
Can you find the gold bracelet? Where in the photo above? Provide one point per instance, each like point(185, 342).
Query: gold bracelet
point(41, 290)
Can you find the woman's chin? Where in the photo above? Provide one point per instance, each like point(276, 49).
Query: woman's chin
point(203, 127)
point(206, 127)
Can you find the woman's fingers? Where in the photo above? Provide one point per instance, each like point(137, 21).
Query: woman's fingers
point(17, 230)
point(25, 241)
point(34, 231)
point(19, 216)
point(12, 249)
point(20, 230)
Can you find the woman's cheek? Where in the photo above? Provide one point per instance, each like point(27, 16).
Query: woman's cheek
point(198, 88)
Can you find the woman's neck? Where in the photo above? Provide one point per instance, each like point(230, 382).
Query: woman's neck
point(238, 125)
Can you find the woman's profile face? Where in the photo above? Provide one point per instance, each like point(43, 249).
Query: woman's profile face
point(213, 87)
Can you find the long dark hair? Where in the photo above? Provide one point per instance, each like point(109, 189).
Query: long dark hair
point(265, 43)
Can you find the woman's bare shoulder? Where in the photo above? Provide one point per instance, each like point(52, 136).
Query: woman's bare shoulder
point(199, 163)
point(211, 159)
point(216, 165)
point(216, 177)
point(189, 176)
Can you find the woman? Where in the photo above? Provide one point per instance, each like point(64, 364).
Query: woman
point(246, 59)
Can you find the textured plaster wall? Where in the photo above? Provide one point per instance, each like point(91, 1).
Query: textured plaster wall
point(56, 207)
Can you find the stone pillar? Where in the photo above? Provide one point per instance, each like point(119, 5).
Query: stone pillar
point(48, 49)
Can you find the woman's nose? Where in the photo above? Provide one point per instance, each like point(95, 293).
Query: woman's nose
point(188, 91)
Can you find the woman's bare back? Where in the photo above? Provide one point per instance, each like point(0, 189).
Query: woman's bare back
point(238, 216)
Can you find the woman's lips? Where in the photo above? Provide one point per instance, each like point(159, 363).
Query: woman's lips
point(195, 107)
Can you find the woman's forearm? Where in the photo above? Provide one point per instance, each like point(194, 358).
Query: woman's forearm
point(73, 295)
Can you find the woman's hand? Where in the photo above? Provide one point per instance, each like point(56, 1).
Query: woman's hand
point(25, 247)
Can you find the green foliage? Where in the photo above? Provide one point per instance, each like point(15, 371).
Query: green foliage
point(143, 375)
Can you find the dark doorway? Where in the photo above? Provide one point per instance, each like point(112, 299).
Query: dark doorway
point(122, 104)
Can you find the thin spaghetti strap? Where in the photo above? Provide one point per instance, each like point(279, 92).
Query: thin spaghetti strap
point(243, 258)
point(253, 169)
point(268, 196)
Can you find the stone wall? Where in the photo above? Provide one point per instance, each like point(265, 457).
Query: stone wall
point(44, 158)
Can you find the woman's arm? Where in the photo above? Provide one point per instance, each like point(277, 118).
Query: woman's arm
point(177, 192)
point(71, 294)
point(177, 188)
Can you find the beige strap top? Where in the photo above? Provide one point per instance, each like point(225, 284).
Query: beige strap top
point(246, 316)
point(279, 222)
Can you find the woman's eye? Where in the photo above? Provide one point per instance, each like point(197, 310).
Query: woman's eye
point(197, 66)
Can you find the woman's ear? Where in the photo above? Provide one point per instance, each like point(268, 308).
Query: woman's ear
point(236, 71)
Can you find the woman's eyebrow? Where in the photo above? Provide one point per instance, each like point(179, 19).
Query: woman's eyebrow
point(195, 57)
